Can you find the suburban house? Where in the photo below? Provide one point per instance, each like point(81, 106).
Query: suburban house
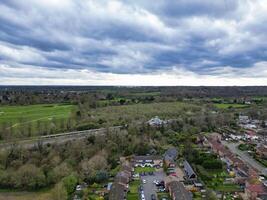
point(147, 161)
point(262, 151)
point(119, 189)
point(189, 171)
point(117, 192)
point(169, 158)
point(156, 121)
point(177, 190)
point(255, 191)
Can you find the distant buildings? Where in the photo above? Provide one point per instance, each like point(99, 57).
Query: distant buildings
point(156, 121)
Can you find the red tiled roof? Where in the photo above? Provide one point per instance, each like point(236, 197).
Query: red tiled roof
point(258, 188)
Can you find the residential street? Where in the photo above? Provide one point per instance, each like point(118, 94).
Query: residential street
point(244, 156)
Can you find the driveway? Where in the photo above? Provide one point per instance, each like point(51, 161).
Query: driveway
point(149, 187)
point(245, 156)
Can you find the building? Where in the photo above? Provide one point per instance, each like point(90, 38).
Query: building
point(156, 121)
point(147, 161)
point(255, 191)
point(262, 151)
point(189, 171)
point(169, 157)
point(117, 192)
point(177, 191)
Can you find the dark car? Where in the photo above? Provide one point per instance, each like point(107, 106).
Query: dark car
point(151, 173)
point(153, 197)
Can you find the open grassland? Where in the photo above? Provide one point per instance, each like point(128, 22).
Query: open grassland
point(228, 105)
point(16, 114)
point(17, 118)
point(25, 195)
point(142, 112)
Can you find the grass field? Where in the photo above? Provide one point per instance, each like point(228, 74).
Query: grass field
point(16, 117)
point(25, 195)
point(15, 114)
point(228, 105)
point(133, 194)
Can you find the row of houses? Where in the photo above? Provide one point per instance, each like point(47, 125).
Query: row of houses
point(176, 189)
point(244, 173)
point(120, 186)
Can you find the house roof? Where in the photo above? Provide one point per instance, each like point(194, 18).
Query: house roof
point(170, 154)
point(188, 169)
point(178, 191)
point(149, 157)
point(258, 188)
point(117, 192)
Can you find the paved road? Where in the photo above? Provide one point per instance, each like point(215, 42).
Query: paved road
point(149, 187)
point(245, 156)
point(57, 138)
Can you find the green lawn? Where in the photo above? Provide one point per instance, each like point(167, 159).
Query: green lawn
point(133, 193)
point(163, 195)
point(144, 169)
point(229, 105)
point(16, 117)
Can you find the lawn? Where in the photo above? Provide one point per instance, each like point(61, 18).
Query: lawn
point(133, 193)
point(229, 105)
point(163, 195)
point(25, 195)
point(16, 114)
point(144, 169)
point(16, 117)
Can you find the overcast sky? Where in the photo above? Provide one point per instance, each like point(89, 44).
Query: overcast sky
point(133, 42)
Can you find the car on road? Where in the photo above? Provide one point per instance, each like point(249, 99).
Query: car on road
point(143, 197)
point(153, 197)
point(144, 181)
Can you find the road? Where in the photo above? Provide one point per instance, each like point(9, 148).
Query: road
point(245, 156)
point(149, 187)
point(57, 138)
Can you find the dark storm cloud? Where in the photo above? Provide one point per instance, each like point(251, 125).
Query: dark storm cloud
point(128, 37)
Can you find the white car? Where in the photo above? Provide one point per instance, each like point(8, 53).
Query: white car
point(144, 181)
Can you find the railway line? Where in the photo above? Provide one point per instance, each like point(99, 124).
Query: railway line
point(58, 138)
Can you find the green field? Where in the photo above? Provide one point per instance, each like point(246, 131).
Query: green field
point(18, 117)
point(229, 105)
point(15, 114)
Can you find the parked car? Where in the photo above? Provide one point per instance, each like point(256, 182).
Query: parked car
point(144, 181)
point(153, 197)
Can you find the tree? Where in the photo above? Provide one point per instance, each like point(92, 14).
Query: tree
point(69, 183)
point(59, 192)
point(29, 177)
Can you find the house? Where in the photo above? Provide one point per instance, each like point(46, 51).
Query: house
point(255, 191)
point(189, 171)
point(117, 192)
point(156, 121)
point(261, 150)
point(177, 191)
point(147, 161)
point(169, 157)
